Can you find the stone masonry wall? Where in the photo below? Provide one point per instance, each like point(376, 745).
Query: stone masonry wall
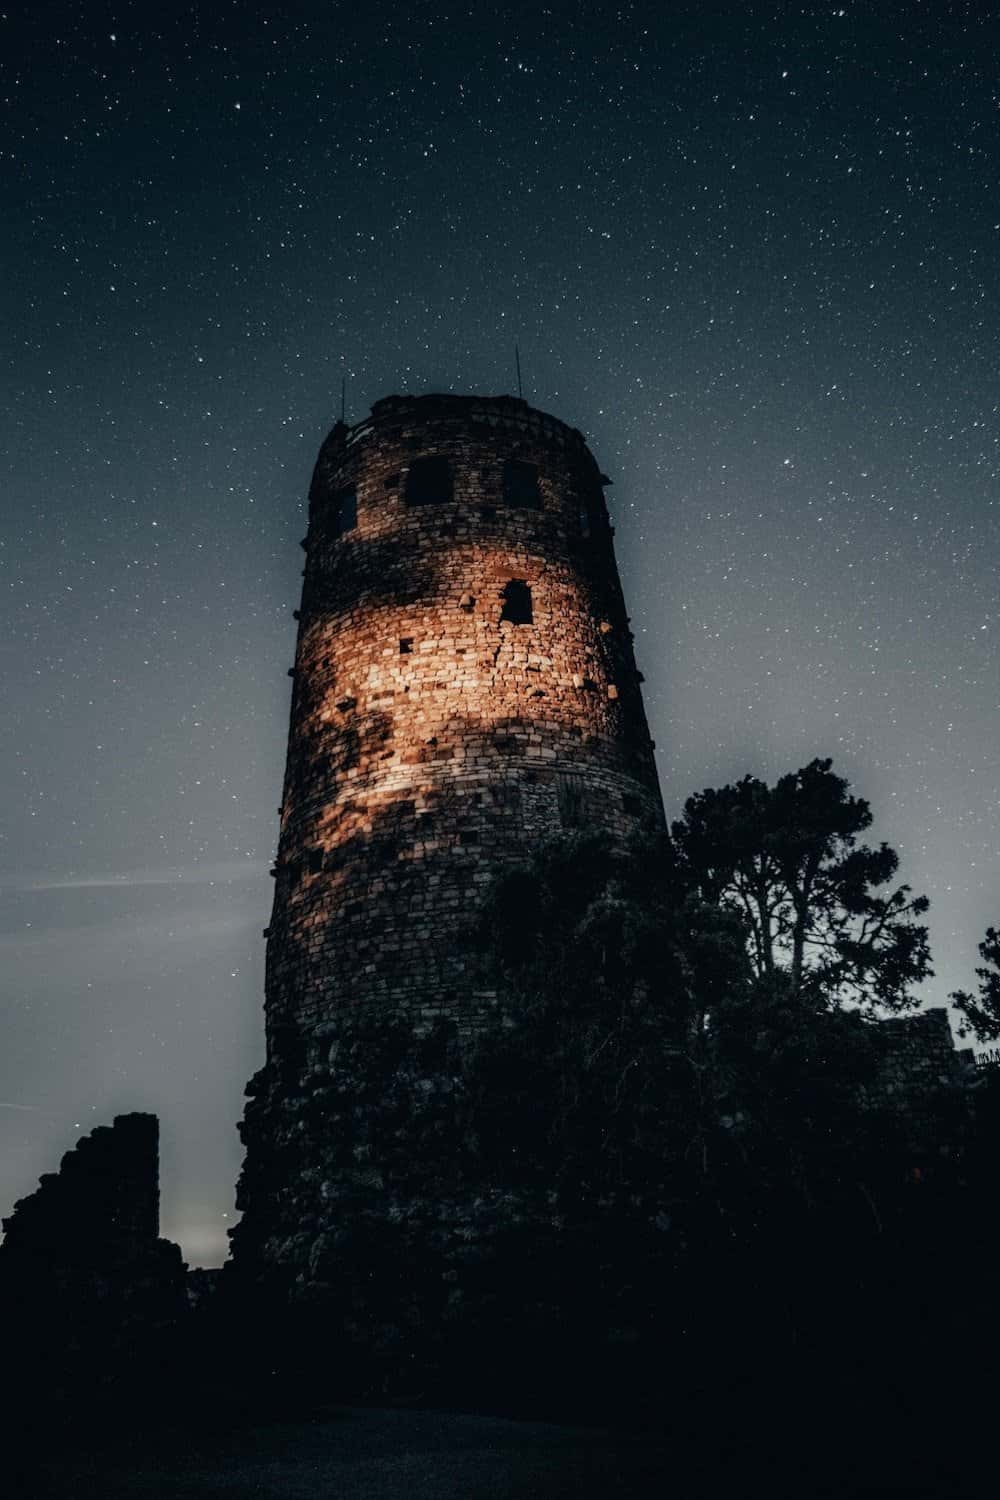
point(432, 739)
point(925, 1080)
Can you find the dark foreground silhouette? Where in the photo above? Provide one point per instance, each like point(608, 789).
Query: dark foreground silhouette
point(680, 1222)
point(821, 1366)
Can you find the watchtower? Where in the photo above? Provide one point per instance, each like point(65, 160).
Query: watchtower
point(464, 688)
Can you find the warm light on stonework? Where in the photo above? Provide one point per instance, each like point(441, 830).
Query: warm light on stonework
point(464, 688)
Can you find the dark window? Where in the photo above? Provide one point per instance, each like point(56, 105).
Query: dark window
point(345, 511)
point(517, 603)
point(428, 481)
point(315, 858)
point(631, 804)
point(507, 796)
point(520, 484)
point(405, 645)
point(584, 521)
point(569, 792)
point(287, 1047)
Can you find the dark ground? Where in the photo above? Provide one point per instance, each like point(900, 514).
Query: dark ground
point(359, 1453)
point(362, 1454)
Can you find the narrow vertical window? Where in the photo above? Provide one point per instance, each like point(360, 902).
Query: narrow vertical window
point(569, 794)
point(429, 481)
point(517, 603)
point(593, 515)
point(345, 511)
point(520, 485)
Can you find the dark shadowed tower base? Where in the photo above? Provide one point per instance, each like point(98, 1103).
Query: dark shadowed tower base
point(464, 688)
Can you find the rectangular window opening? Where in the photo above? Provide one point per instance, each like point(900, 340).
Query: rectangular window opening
point(345, 511)
point(569, 794)
point(507, 796)
point(517, 607)
point(429, 481)
point(406, 645)
point(520, 484)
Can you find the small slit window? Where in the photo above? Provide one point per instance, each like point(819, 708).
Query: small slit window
point(507, 796)
point(428, 481)
point(520, 484)
point(517, 603)
point(345, 511)
point(569, 793)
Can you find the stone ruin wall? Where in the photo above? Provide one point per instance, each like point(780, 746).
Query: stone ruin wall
point(103, 1205)
point(926, 1080)
point(921, 1053)
point(432, 741)
point(87, 1288)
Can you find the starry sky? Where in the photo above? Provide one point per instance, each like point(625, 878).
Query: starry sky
point(751, 250)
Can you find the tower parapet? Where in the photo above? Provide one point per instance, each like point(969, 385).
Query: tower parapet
point(464, 687)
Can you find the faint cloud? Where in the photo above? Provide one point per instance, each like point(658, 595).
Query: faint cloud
point(223, 872)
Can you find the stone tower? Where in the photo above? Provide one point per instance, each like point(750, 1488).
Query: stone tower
point(464, 688)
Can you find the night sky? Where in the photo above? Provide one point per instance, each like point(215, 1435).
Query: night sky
point(750, 250)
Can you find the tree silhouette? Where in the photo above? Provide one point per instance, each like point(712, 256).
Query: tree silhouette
point(981, 1012)
point(636, 1045)
point(788, 860)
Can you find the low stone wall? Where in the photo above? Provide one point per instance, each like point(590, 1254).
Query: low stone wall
point(89, 1293)
point(925, 1080)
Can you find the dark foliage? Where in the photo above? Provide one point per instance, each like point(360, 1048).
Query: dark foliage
point(981, 1012)
point(788, 860)
point(664, 1061)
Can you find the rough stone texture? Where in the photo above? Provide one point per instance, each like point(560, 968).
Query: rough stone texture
point(921, 1053)
point(925, 1079)
point(434, 737)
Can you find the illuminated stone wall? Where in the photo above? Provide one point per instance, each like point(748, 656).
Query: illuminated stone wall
point(464, 687)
